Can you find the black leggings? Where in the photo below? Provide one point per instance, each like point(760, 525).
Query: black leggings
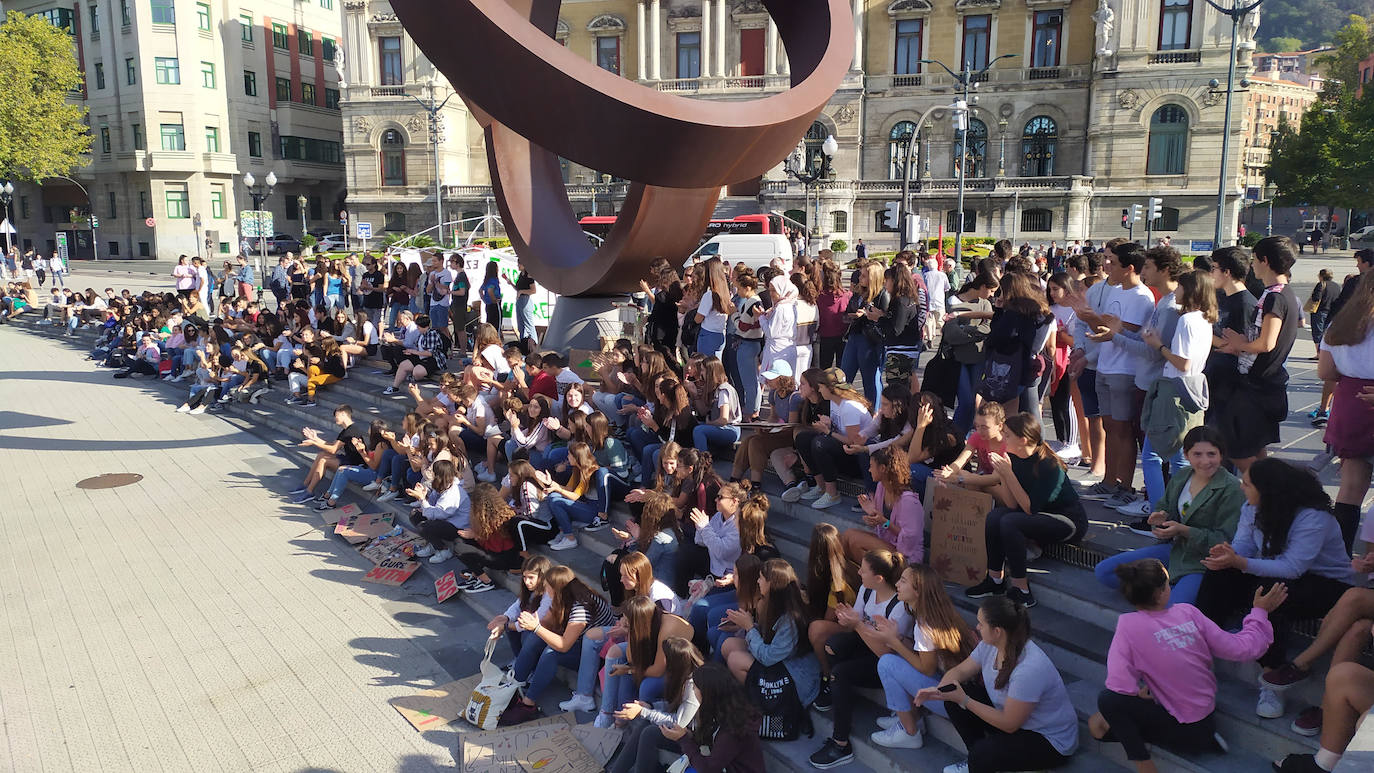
point(1228, 593)
point(480, 560)
point(825, 456)
point(1005, 531)
point(440, 534)
point(990, 750)
point(533, 533)
point(639, 749)
point(849, 671)
point(1136, 722)
point(1061, 410)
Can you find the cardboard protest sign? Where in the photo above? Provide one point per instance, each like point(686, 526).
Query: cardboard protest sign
point(357, 529)
point(391, 571)
point(559, 753)
point(600, 742)
point(332, 517)
point(446, 587)
point(957, 550)
point(402, 545)
point(498, 751)
point(432, 709)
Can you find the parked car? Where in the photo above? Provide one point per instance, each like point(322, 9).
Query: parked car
point(1365, 234)
point(278, 244)
point(331, 243)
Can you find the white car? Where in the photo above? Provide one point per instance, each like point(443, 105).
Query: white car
point(1365, 234)
point(332, 243)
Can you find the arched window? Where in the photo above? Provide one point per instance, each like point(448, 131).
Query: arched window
point(815, 137)
point(394, 221)
point(1038, 143)
point(1036, 220)
point(977, 153)
point(393, 158)
point(1168, 148)
point(841, 219)
point(897, 140)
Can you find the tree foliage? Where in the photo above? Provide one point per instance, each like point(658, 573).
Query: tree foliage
point(1312, 23)
point(1353, 43)
point(1328, 163)
point(41, 133)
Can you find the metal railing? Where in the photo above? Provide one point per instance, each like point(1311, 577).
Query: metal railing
point(995, 76)
point(1174, 57)
point(718, 84)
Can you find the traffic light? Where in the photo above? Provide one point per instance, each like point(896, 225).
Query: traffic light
point(1135, 213)
point(913, 228)
point(1156, 208)
point(892, 215)
point(1125, 218)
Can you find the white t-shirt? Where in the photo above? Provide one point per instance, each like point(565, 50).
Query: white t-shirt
point(1193, 340)
point(1355, 360)
point(495, 358)
point(868, 606)
point(370, 334)
point(1133, 306)
point(850, 413)
point(714, 319)
point(937, 287)
point(660, 593)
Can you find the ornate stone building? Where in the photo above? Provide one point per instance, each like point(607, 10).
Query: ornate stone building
point(1102, 104)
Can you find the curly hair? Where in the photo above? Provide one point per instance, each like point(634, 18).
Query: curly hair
point(490, 512)
point(1284, 490)
point(725, 705)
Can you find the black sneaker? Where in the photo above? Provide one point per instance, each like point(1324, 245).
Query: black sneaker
point(309, 403)
point(832, 755)
point(988, 587)
point(1298, 763)
point(1320, 421)
point(1022, 597)
point(477, 585)
point(823, 700)
point(598, 523)
point(1142, 527)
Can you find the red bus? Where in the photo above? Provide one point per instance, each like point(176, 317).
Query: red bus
point(600, 226)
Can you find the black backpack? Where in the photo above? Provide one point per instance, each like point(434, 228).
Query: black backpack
point(773, 690)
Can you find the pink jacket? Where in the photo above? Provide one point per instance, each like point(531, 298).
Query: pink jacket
point(910, 519)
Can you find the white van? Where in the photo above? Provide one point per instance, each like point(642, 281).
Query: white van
point(753, 250)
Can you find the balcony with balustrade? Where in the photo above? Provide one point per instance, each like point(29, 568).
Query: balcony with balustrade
point(998, 77)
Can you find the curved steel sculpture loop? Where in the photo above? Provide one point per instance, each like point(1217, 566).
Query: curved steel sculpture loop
point(537, 101)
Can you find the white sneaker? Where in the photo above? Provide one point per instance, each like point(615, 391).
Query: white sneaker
point(198, 410)
point(1270, 704)
point(896, 737)
point(957, 767)
point(180, 378)
point(479, 468)
point(564, 542)
point(604, 721)
point(486, 477)
point(184, 408)
point(1141, 508)
point(812, 493)
point(441, 556)
point(168, 377)
point(889, 721)
point(373, 486)
point(424, 551)
point(795, 492)
point(578, 702)
point(825, 500)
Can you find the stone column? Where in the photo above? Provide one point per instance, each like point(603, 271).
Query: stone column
point(770, 48)
point(722, 14)
point(706, 59)
point(858, 36)
point(641, 40)
point(655, 48)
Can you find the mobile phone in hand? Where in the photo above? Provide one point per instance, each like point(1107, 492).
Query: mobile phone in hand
point(947, 688)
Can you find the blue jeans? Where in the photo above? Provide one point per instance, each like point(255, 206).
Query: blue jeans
point(360, 474)
point(589, 665)
point(714, 612)
point(964, 403)
point(901, 681)
point(616, 691)
point(394, 312)
point(547, 668)
point(536, 456)
point(552, 458)
point(565, 511)
point(1185, 587)
point(862, 357)
point(641, 438)
point(648, 464)
point(746, 374)
point(710, 344)
point(609, 486)
point(334, 301)
point(701, 611)
point(706, 435)
point(524, 315)
point(1152, 469)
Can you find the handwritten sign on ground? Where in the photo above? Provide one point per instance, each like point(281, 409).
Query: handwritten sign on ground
point(332, 516)
point(391, 571)
point(446, 587)
point(559, 753)
point(957, 549)
point(598, 741)
point(498, 751)
point(432, 709)
point(401, 546)
point(357, 529)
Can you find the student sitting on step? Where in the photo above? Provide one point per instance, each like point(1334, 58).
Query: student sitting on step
point(1160, 686)
point(1349, 697)
point(637, 667)
point(642, 742)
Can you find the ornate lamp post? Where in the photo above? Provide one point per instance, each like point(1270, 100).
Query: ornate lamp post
point(796, 167)
point(259, 193)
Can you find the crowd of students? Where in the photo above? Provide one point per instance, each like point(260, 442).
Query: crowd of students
point(1142, 361)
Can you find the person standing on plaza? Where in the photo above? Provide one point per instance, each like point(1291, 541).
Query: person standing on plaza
point(185, 276)
point(279, 282)
point(202, 281)
point(490, 293)
point(1346, 360)
point(247, 280)
point(1318, 306)
point(58, 267)
point(860, 253)
point(714, 309)
point(525, 308)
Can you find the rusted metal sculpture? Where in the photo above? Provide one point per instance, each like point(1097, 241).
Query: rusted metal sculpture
point(538, 101)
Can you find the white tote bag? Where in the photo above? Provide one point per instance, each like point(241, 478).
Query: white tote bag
point(492, 695)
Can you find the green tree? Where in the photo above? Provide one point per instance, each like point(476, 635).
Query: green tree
point(1327, 164)
point(41, 133)
point(1353, 44)
point(1281, 44)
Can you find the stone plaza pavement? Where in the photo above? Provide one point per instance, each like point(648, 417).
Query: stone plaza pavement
point(189, 621)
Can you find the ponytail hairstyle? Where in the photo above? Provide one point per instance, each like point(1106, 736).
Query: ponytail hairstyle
point(824, 568)
point(748, 567)
point(1002, 612)
point(537, 565)
point(643, 621)
point(887, 564)
point(681, 658)
point(1141, 581)
point(936, 615)
point(1027, 427)
point(658, 514)
point(753, 515)
point(784, 600)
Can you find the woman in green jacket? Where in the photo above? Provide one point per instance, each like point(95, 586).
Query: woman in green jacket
point(1200, 508)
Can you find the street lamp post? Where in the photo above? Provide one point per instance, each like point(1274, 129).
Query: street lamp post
point(796, 167)
point(90, 215)
point(432, 108)
point(968, 83)
point(259, 193)
point(301, 202)
point(6, 196)
point(1237, 12)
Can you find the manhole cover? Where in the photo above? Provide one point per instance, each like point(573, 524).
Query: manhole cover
point(110, 480)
